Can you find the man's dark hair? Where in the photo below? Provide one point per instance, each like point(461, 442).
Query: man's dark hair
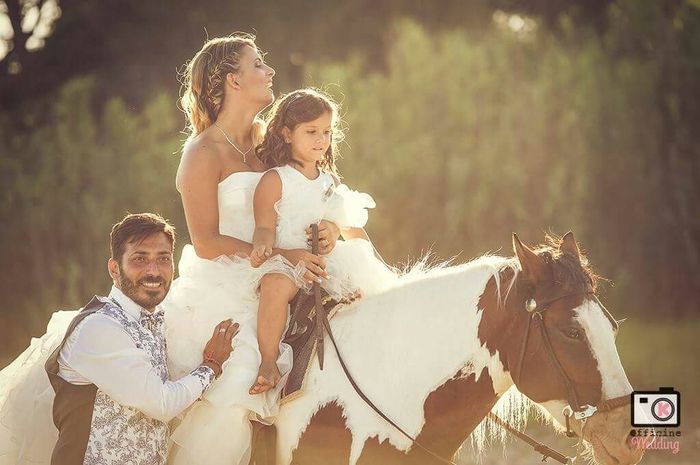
point(136, 227)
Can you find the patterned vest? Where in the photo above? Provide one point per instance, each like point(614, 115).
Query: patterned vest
point(93, 429)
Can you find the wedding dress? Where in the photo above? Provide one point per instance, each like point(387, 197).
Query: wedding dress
point(216, 430)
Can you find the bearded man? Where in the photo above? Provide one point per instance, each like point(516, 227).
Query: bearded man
point(113, 394)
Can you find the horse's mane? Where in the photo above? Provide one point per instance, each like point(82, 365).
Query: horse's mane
point(567, 270)
point(512, 407)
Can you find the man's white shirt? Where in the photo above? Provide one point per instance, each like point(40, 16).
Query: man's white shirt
point(101, 352)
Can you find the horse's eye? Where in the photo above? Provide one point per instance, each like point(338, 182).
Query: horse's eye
point(573, 333)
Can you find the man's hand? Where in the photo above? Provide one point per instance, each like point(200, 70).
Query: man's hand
point(219, 348)
point(259, 254)
point(328, 233)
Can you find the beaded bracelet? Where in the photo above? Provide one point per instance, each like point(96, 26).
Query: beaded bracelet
point(220, 370)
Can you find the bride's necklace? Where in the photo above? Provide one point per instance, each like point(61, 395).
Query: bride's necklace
point(234, 145)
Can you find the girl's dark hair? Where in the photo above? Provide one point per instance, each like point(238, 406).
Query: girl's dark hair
point(300, 106)
point(135, 227)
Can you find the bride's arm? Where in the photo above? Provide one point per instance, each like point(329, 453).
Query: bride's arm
point(198, 180)
point(360, 233)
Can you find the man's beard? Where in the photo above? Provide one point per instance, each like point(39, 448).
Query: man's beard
point(132, 289)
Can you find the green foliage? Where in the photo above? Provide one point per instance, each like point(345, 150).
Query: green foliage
point(665, 362)
point(463, 140)
point(66, 183)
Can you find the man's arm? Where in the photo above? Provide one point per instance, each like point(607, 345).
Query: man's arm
point(103, 353)
point(360, 233)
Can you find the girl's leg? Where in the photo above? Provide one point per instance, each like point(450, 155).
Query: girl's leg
point(276, 290)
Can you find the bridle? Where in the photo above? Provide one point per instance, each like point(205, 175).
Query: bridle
point(575, 409)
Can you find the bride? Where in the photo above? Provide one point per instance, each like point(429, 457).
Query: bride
point(227, 85)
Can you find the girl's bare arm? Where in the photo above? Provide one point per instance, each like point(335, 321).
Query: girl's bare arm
point(267, 193)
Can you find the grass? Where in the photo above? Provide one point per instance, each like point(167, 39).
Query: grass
point(664, 353)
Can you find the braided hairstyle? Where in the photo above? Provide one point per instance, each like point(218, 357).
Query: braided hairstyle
point(300, 106)
point(204, 79)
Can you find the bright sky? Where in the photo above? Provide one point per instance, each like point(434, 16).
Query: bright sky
point(41, 25)
point(50, 12)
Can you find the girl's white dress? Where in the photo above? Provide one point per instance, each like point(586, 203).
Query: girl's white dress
point(216, 429)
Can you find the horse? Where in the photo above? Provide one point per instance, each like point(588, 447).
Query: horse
point(438, 351)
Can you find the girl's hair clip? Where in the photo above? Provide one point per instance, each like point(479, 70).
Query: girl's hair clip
point(328, 192)
point(295, 97)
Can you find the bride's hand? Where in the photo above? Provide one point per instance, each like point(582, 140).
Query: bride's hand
point(315, 265)
point(328, 233)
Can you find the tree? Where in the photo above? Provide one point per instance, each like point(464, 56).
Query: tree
point(30, 23)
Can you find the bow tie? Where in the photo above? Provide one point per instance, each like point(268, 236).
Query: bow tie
point(152, 321)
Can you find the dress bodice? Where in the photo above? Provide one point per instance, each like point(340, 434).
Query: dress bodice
point(304, 201)
point(236, 204)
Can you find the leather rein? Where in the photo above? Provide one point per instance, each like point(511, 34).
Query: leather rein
point(535, 310)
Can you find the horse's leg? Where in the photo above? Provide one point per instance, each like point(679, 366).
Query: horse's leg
point(326, 440)
point(264, 444)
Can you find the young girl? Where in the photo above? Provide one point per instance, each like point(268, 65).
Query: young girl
point(303, 188)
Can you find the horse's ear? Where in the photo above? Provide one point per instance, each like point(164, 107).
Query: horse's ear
point(533, 266)
point(568, 246)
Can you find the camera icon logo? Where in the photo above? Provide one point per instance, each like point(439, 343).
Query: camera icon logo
point(656, 408)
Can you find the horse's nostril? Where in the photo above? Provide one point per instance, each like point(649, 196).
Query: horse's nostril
point(636, 444)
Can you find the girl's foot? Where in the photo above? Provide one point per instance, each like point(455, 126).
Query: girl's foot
point(268, 377)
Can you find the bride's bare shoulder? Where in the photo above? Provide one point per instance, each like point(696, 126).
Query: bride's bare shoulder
point(201, 160)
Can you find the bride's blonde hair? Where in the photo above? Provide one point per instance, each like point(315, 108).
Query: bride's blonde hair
point(204, 78)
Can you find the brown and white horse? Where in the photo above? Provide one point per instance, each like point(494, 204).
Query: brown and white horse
point(438, 351)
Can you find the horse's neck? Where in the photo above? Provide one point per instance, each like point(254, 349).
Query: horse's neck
point(455, 409)
point(421, 341)
point(426, 330)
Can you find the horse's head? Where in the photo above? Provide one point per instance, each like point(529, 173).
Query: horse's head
point(562, 353)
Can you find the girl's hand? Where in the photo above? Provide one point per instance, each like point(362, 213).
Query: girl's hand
point(328, 233)
point(315, 265)
point(259, 254)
